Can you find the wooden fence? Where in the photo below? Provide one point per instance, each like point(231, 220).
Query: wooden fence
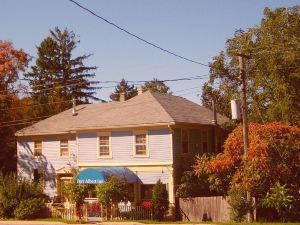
point(204, 208)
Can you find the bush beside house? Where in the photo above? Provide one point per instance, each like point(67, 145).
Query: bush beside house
point(20, 198)
point(160, 201)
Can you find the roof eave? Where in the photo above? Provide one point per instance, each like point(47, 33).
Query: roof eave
point(79, 129)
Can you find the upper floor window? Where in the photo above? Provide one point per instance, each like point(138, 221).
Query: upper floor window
point(38, 149)
point(64, 147)
point(185, 140)
point(104, 145)
point(140, 143)
point(205, 141)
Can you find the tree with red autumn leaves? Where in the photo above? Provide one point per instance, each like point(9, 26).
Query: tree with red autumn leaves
point(272, 159)
point(12, 61)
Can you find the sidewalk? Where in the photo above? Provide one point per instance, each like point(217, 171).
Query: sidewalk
point(16, 222)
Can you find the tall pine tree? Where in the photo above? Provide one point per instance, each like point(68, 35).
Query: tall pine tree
point(129, 91)
point(57, 77)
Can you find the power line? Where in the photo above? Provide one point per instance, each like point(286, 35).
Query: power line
point(9, 125)
point(137, 82)
point(22, 120)
point(20, 107)
point(186, 89)
point(136, 36)
point(36, 119)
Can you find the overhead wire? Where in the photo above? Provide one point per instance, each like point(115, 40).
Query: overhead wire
point(136, 36)
point(137, 82)
point(129, 104)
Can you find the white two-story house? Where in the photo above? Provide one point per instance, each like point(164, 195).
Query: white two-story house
point(149, 137)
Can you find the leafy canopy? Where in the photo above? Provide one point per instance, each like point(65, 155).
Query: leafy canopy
point(156, 85)
point(272, 157)
point(12, 62)
point(112, 191)
point(273, 69)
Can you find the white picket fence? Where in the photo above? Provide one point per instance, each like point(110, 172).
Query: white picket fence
point(66, 211)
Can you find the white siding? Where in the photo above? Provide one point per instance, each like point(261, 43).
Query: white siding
point(122, 144)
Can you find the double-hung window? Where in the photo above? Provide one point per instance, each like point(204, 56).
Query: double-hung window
point(104, 150)
point(205, 141)
point(185, 140)
point(64, 147)
point(140, 143)
point(38, 148)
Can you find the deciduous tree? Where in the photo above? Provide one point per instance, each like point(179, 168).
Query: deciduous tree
point(12, 62)
point(272, 157)
point(156, 85)
point(272, 70)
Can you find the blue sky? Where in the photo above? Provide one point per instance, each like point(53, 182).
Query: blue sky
point(196, 29)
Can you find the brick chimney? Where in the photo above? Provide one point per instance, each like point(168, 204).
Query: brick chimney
point(122, 97)
point(140, 90)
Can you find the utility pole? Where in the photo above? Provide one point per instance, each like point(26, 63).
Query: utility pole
point(244, 117)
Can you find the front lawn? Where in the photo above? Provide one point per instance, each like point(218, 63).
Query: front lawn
point(54, 219)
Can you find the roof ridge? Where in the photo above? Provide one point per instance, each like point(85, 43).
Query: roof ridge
point(153, 94)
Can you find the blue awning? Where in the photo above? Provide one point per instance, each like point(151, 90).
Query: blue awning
point(99, 175)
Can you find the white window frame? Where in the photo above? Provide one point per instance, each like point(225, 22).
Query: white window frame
point(64, 156)
point(42, 148)
point(137, 132)
point(188, 141)
point(98, 145)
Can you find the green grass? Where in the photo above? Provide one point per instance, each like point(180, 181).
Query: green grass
point(256, 223)
point(159, 222)
point(54, 219)
point(207, 222)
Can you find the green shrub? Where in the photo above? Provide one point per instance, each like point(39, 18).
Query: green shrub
point(14, 191)
point(238, 203)
point(279, 199)
point(112, 191)
point(160, 201)
point(30, 208)
point(8, 195)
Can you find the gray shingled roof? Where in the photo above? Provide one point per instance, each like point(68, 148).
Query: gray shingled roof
point(147, 109)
